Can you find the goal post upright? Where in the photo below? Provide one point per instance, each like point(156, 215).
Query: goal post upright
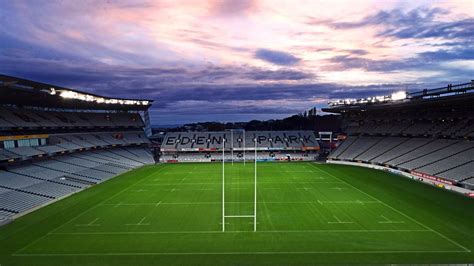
point(255, 191)
point(223, 186)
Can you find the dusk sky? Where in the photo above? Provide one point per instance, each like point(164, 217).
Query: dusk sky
point(237, 60)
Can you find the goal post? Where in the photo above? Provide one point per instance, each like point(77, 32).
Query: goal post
point(255, 191)
point(254, 215)
point(223, 185)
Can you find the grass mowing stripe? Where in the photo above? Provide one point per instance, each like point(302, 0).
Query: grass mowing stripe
point(250, 232)
point(401, 213)
point(238, 253)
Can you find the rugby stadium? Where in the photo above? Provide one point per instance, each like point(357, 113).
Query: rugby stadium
point(81, 183)
point(236, 132)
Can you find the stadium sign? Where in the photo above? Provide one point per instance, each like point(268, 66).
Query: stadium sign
point(18, 137)
point(434, 178)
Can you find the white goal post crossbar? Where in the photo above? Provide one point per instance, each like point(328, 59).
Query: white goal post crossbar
point(254, 215)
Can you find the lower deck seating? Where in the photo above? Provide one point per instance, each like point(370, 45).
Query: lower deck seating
point(203, 157)
point(23, 188)
point(60, 143)
point(446, 158)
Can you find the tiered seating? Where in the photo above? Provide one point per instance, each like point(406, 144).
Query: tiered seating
point(345, 145)
point(421, 151)
point(447, 158)
point(18, 202)
point(26, 151)
point(405, 125)
point(358, 147)
point(381, 147)
point(405, 147)
point(24, 118)
point(448, 151)
point(71, 142)
point(459, 173)
point(6, 155)
point(203, 157)
point(51, 149)
point(291, 140)
point(25, 187)
point(449, 162)
point(45, 174)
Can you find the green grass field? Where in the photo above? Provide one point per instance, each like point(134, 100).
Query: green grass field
point(306, 213)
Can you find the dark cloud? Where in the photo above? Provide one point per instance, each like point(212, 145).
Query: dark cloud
point(421, 61)
point(278, 75)
point(276, 57)
point(460, 53)
point(395, 17)
point(417, 23)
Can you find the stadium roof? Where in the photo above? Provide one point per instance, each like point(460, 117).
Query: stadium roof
point(461, 94)
point(23, 92)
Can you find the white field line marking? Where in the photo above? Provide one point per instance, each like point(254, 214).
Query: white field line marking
point(263, 232)
point(236, 183)
point(237, 253)
point(388, 221)
point(82, 213)
point(140, 223)
point(158, 204)
point(238, 202)
point(305, 188)
point(238, 216)
point(361, 202)
point(338, 221)
point(92, 223)
point(399, 212)
point(117, 205)
point(337, 188)
point(139, 190)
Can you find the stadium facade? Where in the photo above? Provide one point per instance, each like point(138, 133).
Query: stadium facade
point(426, 135)
point(57, 141)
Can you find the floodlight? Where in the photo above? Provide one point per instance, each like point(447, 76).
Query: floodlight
point(398, 96)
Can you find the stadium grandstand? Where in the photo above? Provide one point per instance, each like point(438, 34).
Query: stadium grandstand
point(426, 135)
point(57, 141)
point(239, 145)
